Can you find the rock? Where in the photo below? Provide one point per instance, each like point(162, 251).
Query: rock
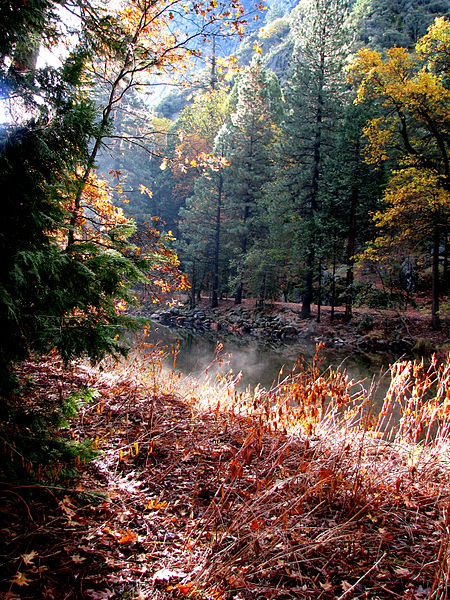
point(289, 331)
point(408, 275)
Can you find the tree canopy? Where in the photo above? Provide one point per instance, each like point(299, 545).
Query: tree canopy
point(413, 130)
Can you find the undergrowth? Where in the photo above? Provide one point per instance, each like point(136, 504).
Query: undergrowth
point(307, 490)
point(34, 418)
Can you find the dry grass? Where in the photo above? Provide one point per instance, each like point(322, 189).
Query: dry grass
point(302, 491)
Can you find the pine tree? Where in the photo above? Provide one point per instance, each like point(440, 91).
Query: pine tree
point(314, 96)
point(200, 226)
point(246, 142)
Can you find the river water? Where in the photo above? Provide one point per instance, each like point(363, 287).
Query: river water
point(259, 362)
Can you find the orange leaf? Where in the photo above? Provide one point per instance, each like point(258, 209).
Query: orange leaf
point(20, 579)
point(127, 536)
point(255, 525)
point(184, 589)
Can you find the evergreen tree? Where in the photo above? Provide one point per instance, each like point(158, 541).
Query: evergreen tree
point(246, 142)
point(52, 294)
point(201, 225)
point(198, 170)
point(386, 23)
point(314, 96)
point(351, 193)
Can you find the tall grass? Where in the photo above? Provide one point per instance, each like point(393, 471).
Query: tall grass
point(313, 461)
point(316, 492)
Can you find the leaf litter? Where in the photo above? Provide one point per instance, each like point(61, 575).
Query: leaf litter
point(207, 494)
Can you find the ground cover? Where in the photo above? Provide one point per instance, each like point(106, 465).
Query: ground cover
point(198, 491)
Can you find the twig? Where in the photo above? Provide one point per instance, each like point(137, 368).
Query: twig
point(362, 577)
point(405, 326)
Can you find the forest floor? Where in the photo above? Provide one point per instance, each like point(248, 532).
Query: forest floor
point(191, 496)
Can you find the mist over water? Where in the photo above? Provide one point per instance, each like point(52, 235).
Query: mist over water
point(259, 363)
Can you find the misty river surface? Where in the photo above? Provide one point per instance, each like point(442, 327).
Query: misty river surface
point(260, 362)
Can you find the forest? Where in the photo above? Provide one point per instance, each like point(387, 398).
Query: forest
point(208, 154)
point(304, 160)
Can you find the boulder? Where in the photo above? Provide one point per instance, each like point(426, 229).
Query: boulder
point(289, 331)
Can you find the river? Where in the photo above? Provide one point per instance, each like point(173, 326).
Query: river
point(259, 362)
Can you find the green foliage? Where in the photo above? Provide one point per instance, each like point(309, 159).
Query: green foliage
point(51, 296)
point(245, 141)
point(366, 324)
point(32, 438)
point(366, 294)
point(55, 294)
point(386, 23)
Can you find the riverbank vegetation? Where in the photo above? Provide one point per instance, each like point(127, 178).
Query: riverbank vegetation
point(199, 491)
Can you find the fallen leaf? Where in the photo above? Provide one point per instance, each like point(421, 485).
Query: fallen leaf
point(346, 586)
point(127, 536)
point(327, 586)
point(28, 558)
point(20, 579)
point(77, 558)
point(184, 589)
point(402, 572)
point(256, 524)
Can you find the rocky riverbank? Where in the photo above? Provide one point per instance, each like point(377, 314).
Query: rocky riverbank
point(369, 330)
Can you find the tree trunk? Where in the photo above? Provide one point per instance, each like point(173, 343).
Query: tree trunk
point(319, 294)
point(238, 294)
point(351, 243)
point(213, 80)
point(193, 284)
point(262, 293)
point(215, 282)
point(314, 206)
point(435, 319)
point(307, 294)
point(445, 273)
point(240, 287)
point(333, 282)
point(112, 99)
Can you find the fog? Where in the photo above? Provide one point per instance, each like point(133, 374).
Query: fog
point(258, 362)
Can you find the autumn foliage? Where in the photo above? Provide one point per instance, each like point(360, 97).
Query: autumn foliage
point(412, 129)
point(305, 490)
